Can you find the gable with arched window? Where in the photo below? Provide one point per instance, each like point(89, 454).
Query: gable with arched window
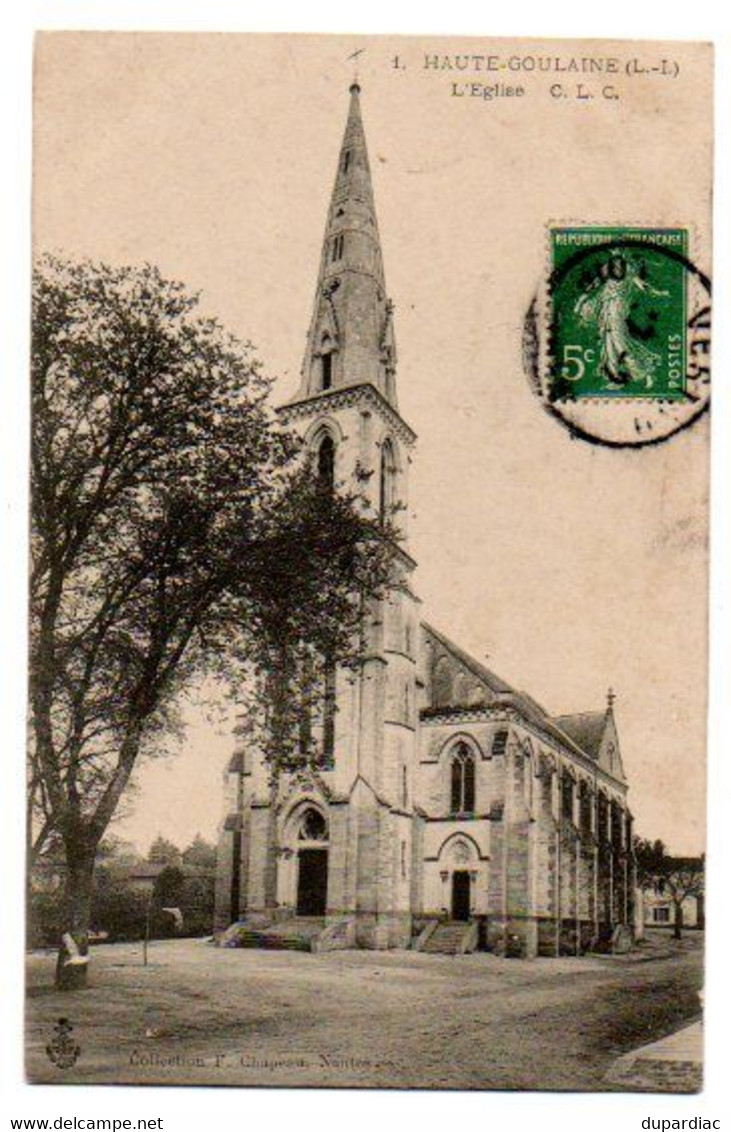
point(462, 780)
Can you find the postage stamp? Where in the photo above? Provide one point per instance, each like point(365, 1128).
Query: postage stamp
point(618, 313)
point(618, 345)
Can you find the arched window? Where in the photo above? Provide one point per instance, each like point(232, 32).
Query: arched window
point(313, 826)
point(616, 818)
point(499, 742)
point(585, 807)
point(326, 462)
point(326, 362)
point(346, 161)
point(602, 818)
point(567, 796)
point(388, 481)
point(463, 780)
point(610, 754)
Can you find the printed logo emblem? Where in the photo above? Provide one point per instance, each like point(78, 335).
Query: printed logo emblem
point(63, 1050)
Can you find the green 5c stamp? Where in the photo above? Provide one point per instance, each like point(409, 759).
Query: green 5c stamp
point(618, 344)
point(618, 317)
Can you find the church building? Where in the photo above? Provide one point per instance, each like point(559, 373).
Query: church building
point(449, 812)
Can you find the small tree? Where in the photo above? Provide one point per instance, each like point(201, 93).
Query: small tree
point(650, 860)
point(168, 893)
point(200, 854)
point(198, 905)
point(171, 534)
point(163, 852)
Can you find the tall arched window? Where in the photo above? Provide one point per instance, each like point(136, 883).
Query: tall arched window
point(463, 780)
point(388, 481)
point(602, 818)
point(585, 807)
point(326, 462)
point(567, 796)
point(326, 362)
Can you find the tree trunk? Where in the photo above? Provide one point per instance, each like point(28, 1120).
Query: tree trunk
point(678, 925)
point(72, 964)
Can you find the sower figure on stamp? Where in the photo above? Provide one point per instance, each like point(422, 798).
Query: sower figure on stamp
point(608, 302)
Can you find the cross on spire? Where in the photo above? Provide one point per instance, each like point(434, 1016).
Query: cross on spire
point(355, 56)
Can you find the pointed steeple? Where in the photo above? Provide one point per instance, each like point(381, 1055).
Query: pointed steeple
point(351, 339)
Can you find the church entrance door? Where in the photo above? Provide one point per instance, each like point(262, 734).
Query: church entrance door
point(312, 882)
point(460, 895)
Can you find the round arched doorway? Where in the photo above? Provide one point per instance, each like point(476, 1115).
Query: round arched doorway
point(312, 861)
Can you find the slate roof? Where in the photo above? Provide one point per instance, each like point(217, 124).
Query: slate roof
point(583, 731)
point(586, 729)
point(493, 682)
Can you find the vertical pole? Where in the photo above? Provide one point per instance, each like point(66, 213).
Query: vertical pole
point(577, 888)
point(147, 930)
point(507, 824)
point(556, 800)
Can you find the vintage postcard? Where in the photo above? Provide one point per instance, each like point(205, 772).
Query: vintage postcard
point(370, 396)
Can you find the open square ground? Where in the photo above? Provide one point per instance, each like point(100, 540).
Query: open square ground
point(203, 1015)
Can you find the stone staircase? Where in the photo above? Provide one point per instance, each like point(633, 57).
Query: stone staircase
point(451, 938)
point(297, 934)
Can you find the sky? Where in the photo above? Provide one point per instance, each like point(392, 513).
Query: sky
point(566, 567)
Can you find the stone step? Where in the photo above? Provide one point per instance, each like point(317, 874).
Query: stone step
point(447, 939)
point(289, 936)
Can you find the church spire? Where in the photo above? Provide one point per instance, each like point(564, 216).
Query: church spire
point(351, 340)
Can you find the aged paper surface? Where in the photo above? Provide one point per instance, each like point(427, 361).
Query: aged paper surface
point(459, 866)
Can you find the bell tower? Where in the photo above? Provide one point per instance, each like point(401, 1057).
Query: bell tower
point(347, 392)
point(346, 411)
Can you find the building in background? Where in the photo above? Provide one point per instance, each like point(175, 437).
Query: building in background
point(676, 899)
